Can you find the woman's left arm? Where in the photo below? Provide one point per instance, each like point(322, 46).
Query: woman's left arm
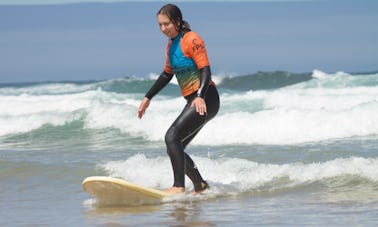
point(205, 75)
point(195, 49)
point(199, 101)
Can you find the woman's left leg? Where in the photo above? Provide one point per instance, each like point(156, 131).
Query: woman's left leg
point(182, 131)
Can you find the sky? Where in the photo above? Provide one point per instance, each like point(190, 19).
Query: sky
point(56, 41)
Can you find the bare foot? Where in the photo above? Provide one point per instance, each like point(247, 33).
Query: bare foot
point(198, 192)
point(195, 193)
point(175, 190)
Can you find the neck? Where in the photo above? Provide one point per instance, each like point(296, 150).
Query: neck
point(178, 35)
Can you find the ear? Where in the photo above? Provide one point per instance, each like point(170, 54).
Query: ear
point(177, 26)
point(179, 21)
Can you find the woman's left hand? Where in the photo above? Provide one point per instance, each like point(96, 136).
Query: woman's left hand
point(200, 105)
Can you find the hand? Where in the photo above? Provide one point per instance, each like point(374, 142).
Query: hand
point(200, 105)
point(143, 106)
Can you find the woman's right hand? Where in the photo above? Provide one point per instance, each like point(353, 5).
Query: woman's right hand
point(143, 106)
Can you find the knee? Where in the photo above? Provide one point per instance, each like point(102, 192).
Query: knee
point(171, 137)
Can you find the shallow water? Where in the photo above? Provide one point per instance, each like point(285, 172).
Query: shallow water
point(303, 154)
point(43, 187)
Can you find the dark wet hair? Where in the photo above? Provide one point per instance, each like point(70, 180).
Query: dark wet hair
point(174, 14)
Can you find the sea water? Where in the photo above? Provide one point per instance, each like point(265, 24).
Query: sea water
point(285, 149)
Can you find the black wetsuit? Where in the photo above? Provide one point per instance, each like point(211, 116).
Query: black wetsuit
point(182, 131)
point(197, 82)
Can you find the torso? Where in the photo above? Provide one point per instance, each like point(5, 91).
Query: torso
point(186, 54)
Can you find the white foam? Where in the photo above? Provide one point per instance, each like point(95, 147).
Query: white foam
point(293, 115)
point(319, 74)
point(233, 175)
point(24, 113)
point(123, 116)
point(296, 114)
point(47, 89)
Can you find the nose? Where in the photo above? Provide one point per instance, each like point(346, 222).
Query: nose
point(163, 28)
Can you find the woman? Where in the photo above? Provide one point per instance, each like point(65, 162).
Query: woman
point(186, 58)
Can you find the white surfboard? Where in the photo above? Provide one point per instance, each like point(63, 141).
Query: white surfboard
point(116, 192)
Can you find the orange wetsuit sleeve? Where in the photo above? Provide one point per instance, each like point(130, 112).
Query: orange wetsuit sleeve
point(193, 47)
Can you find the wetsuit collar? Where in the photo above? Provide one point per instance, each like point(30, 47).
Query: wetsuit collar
point(178, 36)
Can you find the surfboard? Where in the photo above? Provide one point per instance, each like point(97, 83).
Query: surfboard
point(116, 192)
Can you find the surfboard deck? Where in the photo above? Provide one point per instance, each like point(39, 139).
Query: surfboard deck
point(114, 191)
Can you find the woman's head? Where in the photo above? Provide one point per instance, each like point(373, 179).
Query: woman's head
point(170, 21)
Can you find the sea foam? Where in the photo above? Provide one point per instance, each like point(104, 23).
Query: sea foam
point(240, 175)
point(328, 107)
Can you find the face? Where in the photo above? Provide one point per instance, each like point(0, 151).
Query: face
point(166, 26)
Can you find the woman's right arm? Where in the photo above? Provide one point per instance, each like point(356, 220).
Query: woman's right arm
point(159, 84)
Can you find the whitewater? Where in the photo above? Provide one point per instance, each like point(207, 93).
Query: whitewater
point(284, 149)
point(327, 107)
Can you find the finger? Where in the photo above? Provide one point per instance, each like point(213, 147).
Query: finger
point(204, 110)
point(201, 109)
point(140, 114)
point(141, 111)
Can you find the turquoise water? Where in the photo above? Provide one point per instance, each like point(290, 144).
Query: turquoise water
point(295, 149)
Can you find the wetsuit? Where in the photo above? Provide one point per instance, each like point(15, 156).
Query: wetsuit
point(186, 58)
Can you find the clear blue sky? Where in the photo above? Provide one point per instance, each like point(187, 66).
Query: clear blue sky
point(95, 41)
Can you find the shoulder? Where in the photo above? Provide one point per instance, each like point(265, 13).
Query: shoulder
point(193, 47)
point(190, 36)
point(192, 43)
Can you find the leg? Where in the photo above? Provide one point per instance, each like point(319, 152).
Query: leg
point(212, 103)
point(177, 138)
point(179, 135)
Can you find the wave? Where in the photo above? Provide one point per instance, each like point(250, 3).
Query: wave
point(130, 84)
point(264, 80)
point(241, 83)
point(236, 176)
point(326, 107)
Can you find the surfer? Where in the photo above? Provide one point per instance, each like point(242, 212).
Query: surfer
point(187, 59)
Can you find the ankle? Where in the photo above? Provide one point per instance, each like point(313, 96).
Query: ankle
point(175, 190)
point(200, 187)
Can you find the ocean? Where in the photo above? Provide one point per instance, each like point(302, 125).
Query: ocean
point(290, 149)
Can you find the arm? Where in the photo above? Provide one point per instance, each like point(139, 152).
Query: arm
point(195, 48)
point(205, 75)
point(199, 102)
point(159, 84)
